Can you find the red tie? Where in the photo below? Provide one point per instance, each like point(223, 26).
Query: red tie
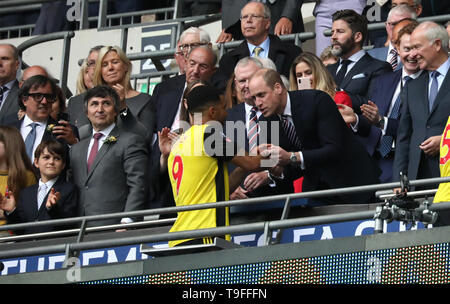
point(94, 151)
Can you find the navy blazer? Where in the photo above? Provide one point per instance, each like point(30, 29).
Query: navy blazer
point(280, 52)
point(358, 80)
point(333, 157)
point(27, 211)
point(237, 113)
point(381, 93)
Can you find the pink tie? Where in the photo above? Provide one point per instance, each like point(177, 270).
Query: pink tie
point(94, 151)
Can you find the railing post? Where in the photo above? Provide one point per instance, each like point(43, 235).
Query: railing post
point(103, 10)
point(65, 60)
point(84, 22)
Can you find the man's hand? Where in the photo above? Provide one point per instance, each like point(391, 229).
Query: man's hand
point(283, 27)
point(347, 113)
point(431, 145)
point(256, 180)
point(370, 111)
point(239, 193)
point(64, 131)
point(224, 37)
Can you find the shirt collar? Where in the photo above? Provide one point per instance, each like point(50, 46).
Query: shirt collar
point(357, 56)
point(49, 183)
point(105, 131)
point(27, 121)
point(287, 108)
point(444, 67)
point(265, 45)
point(9, 84)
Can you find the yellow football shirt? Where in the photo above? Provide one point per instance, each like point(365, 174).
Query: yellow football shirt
point(443, 192)
point(197, 177)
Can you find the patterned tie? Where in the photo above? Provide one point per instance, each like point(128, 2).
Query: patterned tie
point(29, 141)
point(393, 61)
point(253, 129)
point(291, 134)
point(257, 50)
point(343, 70)
point(41, 194)
point(94, 150)
point(434, 88)
point(386, 141)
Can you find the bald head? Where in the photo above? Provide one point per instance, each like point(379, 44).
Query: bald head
point(33, 71)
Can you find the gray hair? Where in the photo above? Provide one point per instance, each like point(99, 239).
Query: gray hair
point(203, 35)
point(434, 31)
point(266, 11)
point(403, 10)
point(246, 60)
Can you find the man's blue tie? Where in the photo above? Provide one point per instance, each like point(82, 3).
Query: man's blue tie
point(434, 88)
point(386, 140)
point(29, 141)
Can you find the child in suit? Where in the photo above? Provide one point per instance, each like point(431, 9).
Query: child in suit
point(51, 198)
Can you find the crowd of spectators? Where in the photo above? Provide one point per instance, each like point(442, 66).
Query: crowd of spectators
point(346, 116)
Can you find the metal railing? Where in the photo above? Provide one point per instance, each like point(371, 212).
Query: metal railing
point(66, 37)
point(266, 226)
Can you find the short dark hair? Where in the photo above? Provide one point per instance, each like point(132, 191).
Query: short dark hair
point(53, 147)
point(36, 81)
point(356, 22)
point(201, 97)
point(103, 92)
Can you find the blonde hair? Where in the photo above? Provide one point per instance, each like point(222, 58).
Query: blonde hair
point(81, 86)
point(98, 79)
point(323, 80)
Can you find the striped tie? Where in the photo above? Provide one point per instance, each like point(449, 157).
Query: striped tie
point(386, 140)
point(393, 61)
point(2, 91)
point(41, 194)
point(253, 129)
point(291, 134)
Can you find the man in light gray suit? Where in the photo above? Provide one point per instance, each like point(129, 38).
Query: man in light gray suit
point(110, 166)
point(9, 86)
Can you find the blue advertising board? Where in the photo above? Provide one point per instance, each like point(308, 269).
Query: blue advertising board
point(132, 253)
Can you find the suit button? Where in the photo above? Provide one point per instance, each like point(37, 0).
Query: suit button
point(87, 187)
point(428, 126)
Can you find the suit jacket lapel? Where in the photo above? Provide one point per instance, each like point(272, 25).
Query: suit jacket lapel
point(356, 69)
point(10, 99)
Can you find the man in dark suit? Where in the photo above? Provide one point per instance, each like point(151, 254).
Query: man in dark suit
point(355, 70)
point(36, 96)
point(9, 86)
point(287, 14)
point(167, 99)
point(426, 105)
point(255, 24)
point(380, 117)
point(109, 167)
point(321, 146)
point(255, 130)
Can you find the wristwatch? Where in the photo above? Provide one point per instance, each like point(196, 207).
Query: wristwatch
point(380, 123)
point(293, 157)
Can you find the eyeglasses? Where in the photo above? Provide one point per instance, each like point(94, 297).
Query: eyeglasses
point(187, 47)
point(91, 63)
point(246, 17)
point(38, 97)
